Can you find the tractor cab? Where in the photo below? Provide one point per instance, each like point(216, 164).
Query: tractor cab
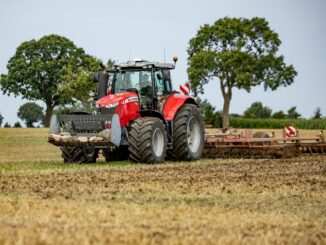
point(150, 80)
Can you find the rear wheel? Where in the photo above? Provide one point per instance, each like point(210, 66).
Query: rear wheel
point(147, 140)
point(188, 134)
point(78, 154)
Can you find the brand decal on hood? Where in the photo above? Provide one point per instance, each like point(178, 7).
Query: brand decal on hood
point(131, 99)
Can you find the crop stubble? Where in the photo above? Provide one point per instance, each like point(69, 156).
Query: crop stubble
point(218, 200)
point(204, 202)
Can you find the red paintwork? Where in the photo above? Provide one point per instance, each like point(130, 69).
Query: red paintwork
point(112, 98)
point(172, 105)
point(126, 111)
point(130, 111)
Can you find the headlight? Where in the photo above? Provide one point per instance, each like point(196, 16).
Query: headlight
point(112, 105)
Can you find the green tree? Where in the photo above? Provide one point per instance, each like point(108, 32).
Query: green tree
point(30, 113)
point(110, 63)
point(17, 125)
point(279, 115)
point(37, 69)
point(293, 114)
point(1, 119)
point(257, 110)
point(68, 109)
point(209, 114)
point(7, 125)
point(317, 113)
point(78, 83)
point(241, 53)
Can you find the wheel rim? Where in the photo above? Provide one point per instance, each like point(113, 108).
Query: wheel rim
point(90, 152)
point(193, 134)
point(158, 142)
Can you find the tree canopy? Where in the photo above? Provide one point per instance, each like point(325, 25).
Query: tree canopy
point(78, 83)
point(293, 114)
point(30, 113)
point(39, 68)
point(279, 115)
point(17, 125)
point(257, 110)
point(317, 113)
point(240, 53)
point(209, 113)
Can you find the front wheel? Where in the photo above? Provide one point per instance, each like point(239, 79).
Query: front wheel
point(78, 154)
point(188, 134)
point(147, 140)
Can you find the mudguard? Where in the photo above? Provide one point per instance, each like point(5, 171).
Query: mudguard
point(173, 103)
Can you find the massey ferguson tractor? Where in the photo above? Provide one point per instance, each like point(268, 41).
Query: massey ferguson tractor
point(138, 116)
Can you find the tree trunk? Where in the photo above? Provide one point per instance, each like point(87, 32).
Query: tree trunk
point(48, 115)
point(226, 108)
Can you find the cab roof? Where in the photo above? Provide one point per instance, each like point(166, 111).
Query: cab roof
point(142, 64)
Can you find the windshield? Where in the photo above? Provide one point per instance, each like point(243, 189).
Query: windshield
point(140, 80)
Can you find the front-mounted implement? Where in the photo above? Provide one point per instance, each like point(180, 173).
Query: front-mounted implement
point(85, 130)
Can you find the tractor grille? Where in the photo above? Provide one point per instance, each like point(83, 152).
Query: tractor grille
point(104, 110)
point(83, 124)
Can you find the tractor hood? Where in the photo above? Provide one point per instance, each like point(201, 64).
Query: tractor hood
point(113, 100)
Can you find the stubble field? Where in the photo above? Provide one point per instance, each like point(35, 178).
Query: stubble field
point(209, 201)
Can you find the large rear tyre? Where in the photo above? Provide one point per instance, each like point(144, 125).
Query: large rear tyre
point(188, 134)
point(147, 140)
point(79, 154)
point(117, 154)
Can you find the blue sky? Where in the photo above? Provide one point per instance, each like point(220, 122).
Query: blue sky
point(121, 30)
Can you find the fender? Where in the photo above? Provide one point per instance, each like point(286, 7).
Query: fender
point(173, 103)
point(152, 113)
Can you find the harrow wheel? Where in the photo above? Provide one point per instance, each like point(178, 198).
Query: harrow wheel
point(147, 140)
point(79, 154)
point(188, 134)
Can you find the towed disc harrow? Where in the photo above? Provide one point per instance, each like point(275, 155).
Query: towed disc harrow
point(227, 143)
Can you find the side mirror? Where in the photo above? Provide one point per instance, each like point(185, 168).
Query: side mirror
point(166, 75)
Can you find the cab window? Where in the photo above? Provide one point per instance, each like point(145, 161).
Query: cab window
point(160, 85)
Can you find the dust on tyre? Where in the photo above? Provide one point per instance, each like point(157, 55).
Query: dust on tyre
point(147, 140)
point(188, 134)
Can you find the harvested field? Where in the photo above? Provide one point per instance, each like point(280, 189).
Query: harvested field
point(210, 201)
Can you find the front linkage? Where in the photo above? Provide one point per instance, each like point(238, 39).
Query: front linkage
point(81, 136)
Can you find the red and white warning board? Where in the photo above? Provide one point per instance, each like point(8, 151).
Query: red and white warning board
point(185, 88)
point(290, 131)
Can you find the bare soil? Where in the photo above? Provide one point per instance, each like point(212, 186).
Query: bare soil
point(212, 201)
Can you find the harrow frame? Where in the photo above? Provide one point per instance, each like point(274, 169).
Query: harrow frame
point(229, 143)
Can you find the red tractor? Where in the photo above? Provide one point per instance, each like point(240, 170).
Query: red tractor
point(138, 115)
